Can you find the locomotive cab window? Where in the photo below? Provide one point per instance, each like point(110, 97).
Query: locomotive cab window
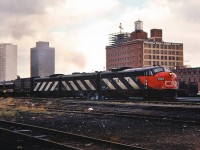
point(157, 70)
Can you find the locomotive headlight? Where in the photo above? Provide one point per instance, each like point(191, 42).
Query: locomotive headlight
point(170, 73)
point(161, 79)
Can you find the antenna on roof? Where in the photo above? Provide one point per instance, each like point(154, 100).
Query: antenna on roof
point(120, 26)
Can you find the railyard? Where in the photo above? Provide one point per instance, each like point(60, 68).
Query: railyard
point(141, 124)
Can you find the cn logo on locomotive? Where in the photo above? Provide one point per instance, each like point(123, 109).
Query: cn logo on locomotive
point(170, 84)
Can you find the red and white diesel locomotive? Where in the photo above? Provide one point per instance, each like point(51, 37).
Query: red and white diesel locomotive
point(150, 83)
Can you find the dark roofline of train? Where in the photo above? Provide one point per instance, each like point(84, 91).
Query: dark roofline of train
point(121, 69)
point(129, 69)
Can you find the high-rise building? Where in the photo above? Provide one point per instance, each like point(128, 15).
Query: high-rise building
point(42, 60)
point(137, 50)
point(8, 61)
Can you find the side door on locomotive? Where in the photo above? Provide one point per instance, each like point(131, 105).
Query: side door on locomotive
point(82, 85)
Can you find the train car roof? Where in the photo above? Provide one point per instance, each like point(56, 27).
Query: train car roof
point(26, 78)
point(131, 69)
point(6, 82)
point(76, 74)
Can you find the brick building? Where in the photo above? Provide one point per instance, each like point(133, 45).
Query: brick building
point(137, 50)
point(189, 75)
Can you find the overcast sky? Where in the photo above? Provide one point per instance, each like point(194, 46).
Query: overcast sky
point(79, 29)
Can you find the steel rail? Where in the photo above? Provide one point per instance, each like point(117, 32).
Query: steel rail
point(132, 115)
point(60, 138)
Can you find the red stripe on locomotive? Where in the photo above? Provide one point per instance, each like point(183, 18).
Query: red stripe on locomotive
point(161, 80)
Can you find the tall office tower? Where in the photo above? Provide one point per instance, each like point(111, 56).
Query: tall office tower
point(137, 50)
point(42, 60)
point(8, 61)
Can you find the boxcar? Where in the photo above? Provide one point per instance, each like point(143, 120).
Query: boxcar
point(23, 86)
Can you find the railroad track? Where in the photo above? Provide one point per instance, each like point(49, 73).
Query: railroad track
point(174, 119)
point(127, 114)
point(55, 139)
point(115, 103)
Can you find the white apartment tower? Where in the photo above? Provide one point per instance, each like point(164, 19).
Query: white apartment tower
point(42, 60)
point(8, 61)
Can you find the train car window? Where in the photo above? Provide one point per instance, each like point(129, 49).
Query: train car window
point(157, 70)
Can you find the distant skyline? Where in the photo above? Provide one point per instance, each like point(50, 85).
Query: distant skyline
point(79, 29)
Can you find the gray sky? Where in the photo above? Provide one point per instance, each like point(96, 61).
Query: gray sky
point(79, 29)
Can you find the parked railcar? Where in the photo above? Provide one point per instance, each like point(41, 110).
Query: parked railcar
point(149, 83)
point(188, 88)
point(6, 88)
point(47, 86)
point(83, 85)
point(23, 86)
